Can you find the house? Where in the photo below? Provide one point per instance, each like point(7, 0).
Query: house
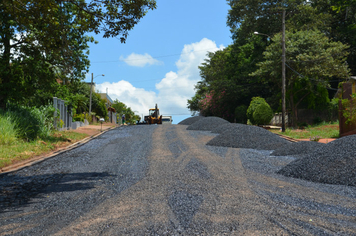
point(107, 98)
point(93, 88)
point(104, 96)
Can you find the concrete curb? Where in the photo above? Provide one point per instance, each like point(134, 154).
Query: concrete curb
point(31, 162)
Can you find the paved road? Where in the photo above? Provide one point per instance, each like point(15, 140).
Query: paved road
point(164, 180)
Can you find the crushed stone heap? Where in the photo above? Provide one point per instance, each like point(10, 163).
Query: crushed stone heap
point(246, 136)
point(298, 148)
point(190, 120)
point(335, 163)
point(207, 123)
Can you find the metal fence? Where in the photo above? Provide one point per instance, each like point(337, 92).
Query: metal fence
point(112, 117)
point(64, 122)
point(277, 119)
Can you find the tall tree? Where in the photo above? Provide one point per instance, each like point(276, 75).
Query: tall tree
point(53, 34)
point(312, 60)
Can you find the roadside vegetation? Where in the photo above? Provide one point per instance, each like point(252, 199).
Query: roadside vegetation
point(44, 48)
point(19, 149)
point(26, 132)
point(313, 132)
point(319, 51)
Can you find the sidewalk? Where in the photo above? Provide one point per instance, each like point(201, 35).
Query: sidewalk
point(94, 129)
point(323, 140)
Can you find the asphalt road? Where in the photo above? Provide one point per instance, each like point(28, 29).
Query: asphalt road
point(164, 180)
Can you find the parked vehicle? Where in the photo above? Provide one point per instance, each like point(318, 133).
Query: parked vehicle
point(167, 120)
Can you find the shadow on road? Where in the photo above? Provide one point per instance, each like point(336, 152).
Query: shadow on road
point(16, 191)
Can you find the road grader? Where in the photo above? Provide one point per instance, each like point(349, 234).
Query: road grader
point(153, 116)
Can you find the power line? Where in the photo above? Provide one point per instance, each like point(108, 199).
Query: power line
point(308, 78)
point(169, 55)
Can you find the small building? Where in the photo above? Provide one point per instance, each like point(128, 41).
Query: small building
point(108, 100)
point(93, 88)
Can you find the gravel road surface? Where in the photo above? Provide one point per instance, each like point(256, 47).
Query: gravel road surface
point(165, 180)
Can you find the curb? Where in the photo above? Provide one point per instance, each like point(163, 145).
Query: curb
point(31, 162)
point(288, 138)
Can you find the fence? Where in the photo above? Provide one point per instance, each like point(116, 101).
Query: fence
point(65, 115)
point(112, 117)
point(277, 119)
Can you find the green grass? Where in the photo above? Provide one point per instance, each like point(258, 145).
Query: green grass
point(20, 150)
point(8, 133)
point(323, 130)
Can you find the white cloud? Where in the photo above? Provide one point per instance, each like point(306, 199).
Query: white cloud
point(140, 60)
point(173, 90)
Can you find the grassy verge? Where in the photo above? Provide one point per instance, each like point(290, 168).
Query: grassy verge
point(323, 130)
point(20, 150)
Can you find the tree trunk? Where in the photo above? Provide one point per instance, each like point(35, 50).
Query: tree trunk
point(5, 73)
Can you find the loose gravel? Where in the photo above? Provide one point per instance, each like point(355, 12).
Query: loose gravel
point(207, 123)
point(164, 180)
point(297, 148)
point(190, 120)
point(246, 136)
point(67, 186)
point(333, 164)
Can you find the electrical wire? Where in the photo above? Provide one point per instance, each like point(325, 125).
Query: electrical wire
point(169, 55)
point(308, 78)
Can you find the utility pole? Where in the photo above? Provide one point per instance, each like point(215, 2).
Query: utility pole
point(91, 90)
point(284, 71)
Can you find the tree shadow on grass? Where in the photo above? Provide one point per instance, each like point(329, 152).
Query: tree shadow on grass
point(16, 191)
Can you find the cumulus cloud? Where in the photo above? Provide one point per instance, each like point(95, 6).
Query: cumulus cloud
point(140, 60)
point(173, 90)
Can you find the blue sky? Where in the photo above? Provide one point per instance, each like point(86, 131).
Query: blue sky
point(159, 62)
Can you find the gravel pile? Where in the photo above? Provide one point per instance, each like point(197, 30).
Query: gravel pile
point(227, 127)
point(298, 148)
point(190, 120)
point(207, 123)
point(333, 164)
point(246, 136)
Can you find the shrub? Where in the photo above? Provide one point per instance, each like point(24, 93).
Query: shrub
point(255, 103)
point(79, 117)
point(317, 121)
point(240, 114)
point(263, 114)
point(31, 122)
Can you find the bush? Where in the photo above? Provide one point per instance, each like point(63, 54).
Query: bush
point(255, 103)
point(317, 121)
point(240, 114)
point(31, 122)
point(79, 117)
point(263, 114)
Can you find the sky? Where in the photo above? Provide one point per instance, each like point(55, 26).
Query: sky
point(159, 62)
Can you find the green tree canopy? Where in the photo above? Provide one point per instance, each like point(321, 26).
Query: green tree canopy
point(311, 58)
point(41, 41)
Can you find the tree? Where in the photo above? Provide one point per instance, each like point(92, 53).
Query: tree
point(52, 34)
point(121, 109)
point(226, 83)
point(312, 59)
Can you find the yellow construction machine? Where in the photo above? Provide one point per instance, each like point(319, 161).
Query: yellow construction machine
point(153, 116)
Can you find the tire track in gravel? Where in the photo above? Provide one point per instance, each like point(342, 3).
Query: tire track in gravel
point(191, 190)
point(195, 192)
